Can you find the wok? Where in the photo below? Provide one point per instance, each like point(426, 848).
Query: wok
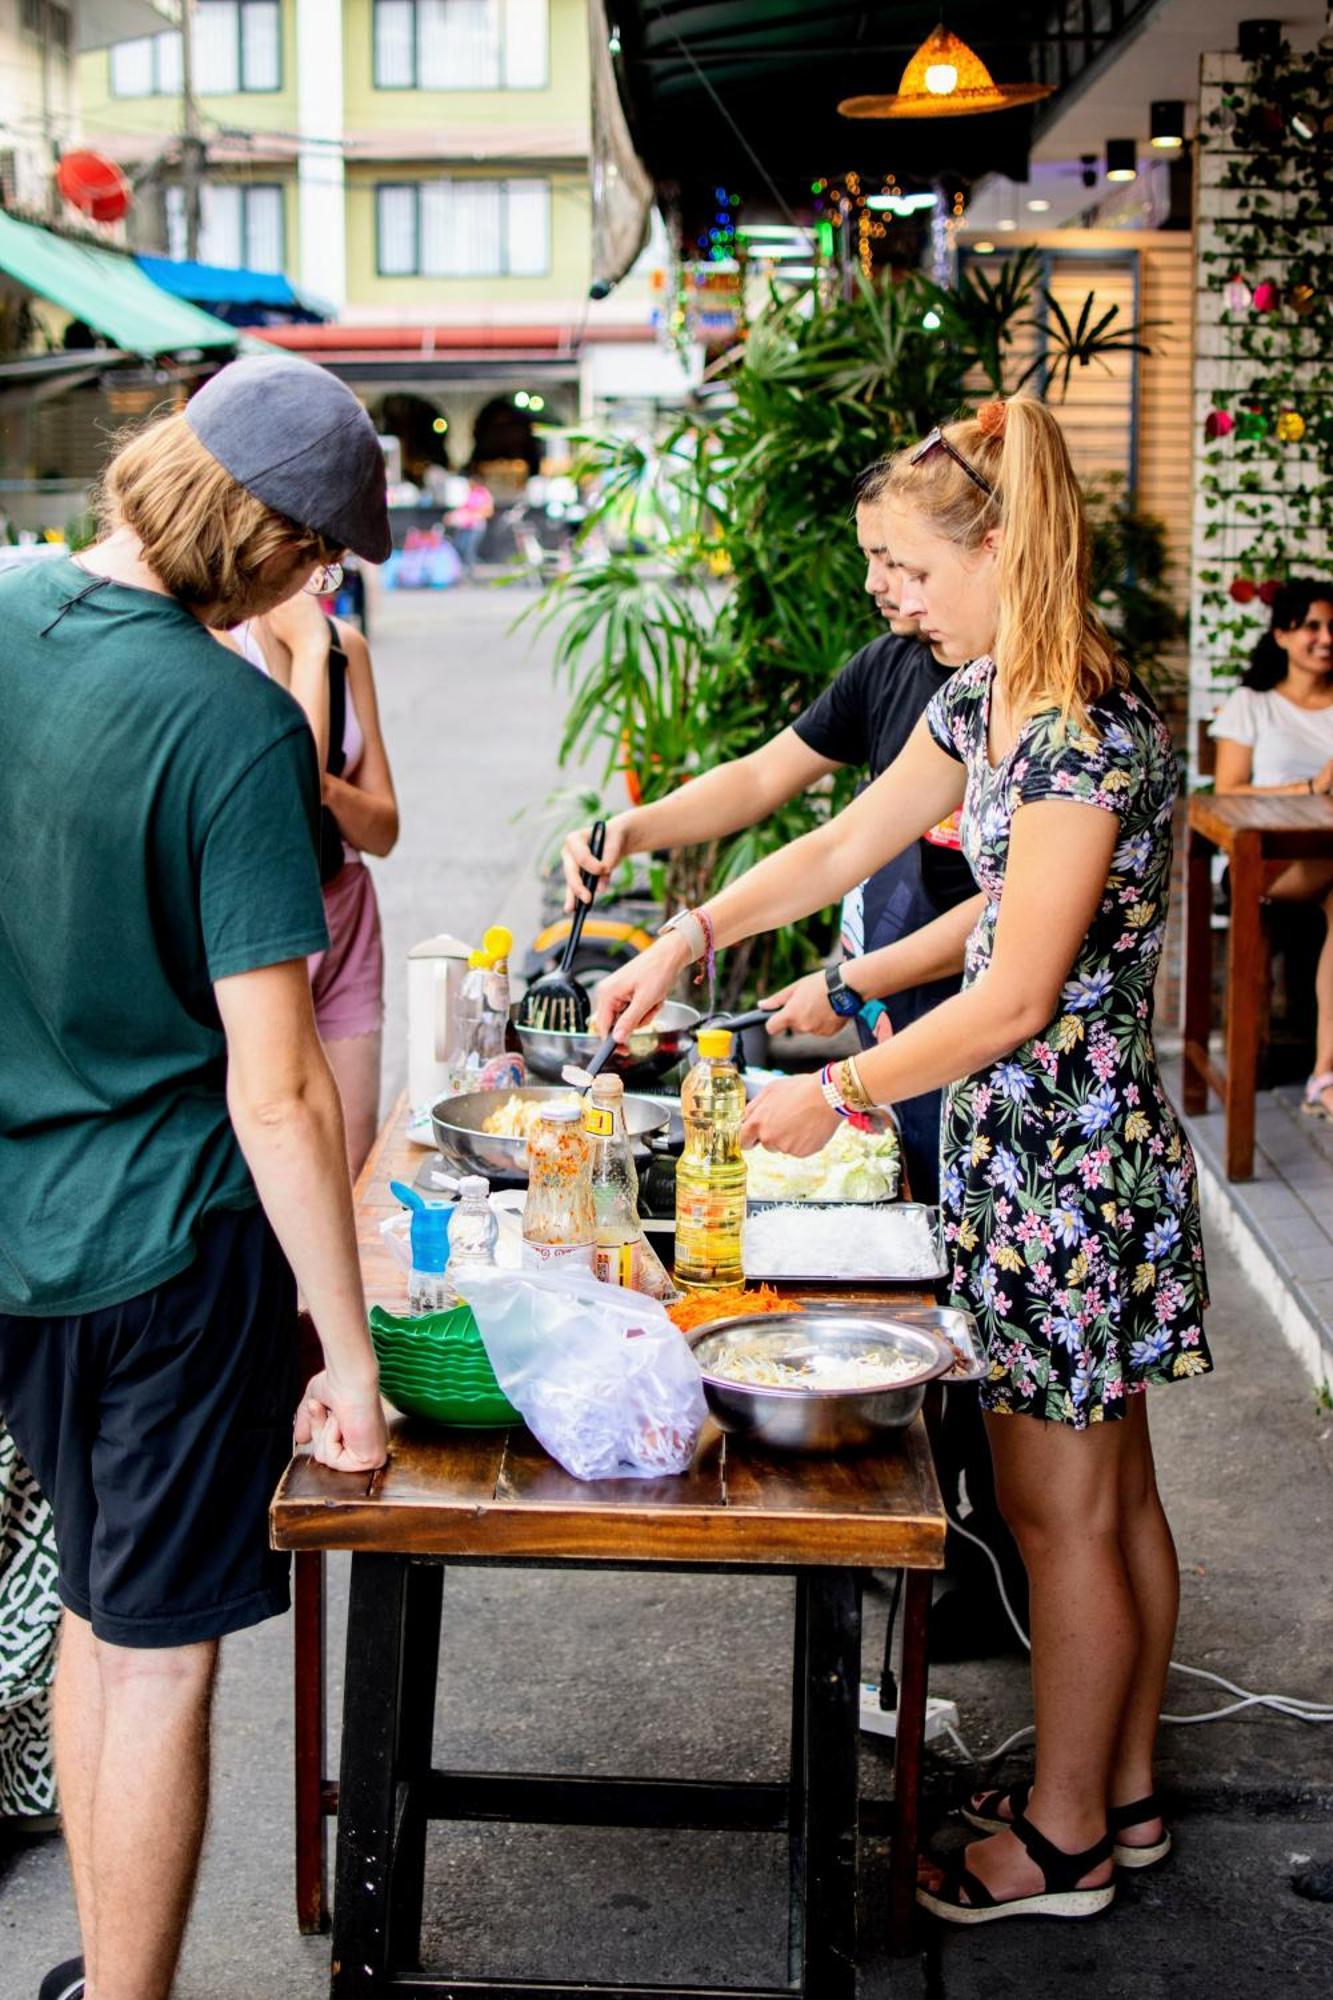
point(457, 1122)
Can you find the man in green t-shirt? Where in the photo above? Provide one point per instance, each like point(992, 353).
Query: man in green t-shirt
point(171, 1146)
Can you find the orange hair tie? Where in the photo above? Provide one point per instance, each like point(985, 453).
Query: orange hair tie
point(991, 419)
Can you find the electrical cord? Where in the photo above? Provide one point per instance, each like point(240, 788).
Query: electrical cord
point(1294, 1706)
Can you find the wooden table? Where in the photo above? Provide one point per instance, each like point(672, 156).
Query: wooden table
point(450, 1498)
point(1253, 833)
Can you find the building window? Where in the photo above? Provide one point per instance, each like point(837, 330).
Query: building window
point(461, 44)
point(464, 229)
point(237, 48)
point(46, 21)
point(240, 226)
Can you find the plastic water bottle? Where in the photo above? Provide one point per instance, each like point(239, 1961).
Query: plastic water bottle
point(710, 1174)
point(473, 1230)
point(428, 1289)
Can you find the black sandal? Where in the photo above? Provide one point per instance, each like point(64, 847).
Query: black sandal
point(1120, 1818)
point(1059, 1896)
point(985, 1815)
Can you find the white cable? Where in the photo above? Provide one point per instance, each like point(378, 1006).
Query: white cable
point(1294, 1706)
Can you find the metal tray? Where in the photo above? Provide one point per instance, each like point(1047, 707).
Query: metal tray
point(871, 1274)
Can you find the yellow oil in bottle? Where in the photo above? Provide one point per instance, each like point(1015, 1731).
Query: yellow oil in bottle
point(710, 1175)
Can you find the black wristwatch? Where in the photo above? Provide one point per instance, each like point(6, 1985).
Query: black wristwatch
point(841, 998)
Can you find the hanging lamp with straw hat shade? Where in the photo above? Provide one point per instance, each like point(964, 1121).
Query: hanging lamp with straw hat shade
point(945, 79)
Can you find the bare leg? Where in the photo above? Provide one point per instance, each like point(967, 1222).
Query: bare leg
point(1154, 1574)
point(1310, 882)
point(355, 1062)
point(77, 1718)
point(148, 1813)
point(1059, 1489)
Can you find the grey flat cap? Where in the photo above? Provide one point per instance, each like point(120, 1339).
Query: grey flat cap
point(296, 437)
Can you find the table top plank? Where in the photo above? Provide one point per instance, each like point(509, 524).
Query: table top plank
point(1287, 824)
point(470, 1494)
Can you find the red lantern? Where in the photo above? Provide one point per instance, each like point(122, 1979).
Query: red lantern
point(1243, 590)
point(1218, 424)
point(94, 185)
point(1267, 297)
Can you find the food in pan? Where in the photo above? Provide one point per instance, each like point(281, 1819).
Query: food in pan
point(515, 1118)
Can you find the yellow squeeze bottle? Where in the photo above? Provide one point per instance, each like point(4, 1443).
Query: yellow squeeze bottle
point(710, 1175)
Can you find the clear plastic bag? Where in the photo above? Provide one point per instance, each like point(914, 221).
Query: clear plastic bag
point(599, 1375)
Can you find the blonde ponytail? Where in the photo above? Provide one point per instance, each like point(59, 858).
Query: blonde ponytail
point(1051, 649)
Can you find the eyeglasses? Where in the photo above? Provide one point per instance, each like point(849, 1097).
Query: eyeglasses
point(324, 581)
point(938, 442)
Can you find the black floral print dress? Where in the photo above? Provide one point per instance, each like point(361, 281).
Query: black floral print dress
point(1069, 1193)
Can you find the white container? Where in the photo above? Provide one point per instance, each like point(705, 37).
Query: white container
point(435, 970)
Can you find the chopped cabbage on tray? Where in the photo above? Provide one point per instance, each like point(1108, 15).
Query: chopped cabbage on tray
point(854, 1166)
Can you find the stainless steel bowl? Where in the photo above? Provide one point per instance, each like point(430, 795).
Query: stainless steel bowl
point(650, 1053)
point(457, 1122)
point(820, 1420)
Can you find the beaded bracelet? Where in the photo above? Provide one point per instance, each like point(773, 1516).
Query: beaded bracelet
point(836, 1101)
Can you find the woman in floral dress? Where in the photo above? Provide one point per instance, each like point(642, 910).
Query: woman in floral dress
point(1070, 1198)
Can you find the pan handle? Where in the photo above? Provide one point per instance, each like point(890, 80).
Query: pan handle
point(591, 882)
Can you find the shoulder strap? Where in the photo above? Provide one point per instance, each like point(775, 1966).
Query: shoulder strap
point(337, 703)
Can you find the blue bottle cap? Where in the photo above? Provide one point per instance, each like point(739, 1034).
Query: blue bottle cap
point(430, 1238)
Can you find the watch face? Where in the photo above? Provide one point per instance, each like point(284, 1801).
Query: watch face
point(844, 1002)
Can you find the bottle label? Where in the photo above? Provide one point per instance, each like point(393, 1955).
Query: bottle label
point(568, 1256)
point(618, 1263)
point(599, 1122)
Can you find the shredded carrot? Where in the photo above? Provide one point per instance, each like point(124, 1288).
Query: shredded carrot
point(698, 1308)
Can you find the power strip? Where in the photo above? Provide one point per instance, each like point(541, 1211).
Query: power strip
point(941, 1715)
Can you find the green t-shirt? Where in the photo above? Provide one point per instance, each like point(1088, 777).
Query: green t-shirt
point(158, 810)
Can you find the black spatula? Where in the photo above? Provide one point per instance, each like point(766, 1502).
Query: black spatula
point(556, 1004)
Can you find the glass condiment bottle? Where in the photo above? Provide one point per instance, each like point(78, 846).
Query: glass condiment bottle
point(710, 1174)
point(558, 1222)
point(618, 1250)
point(473, 1231)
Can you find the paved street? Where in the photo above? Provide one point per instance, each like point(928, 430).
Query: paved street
point(689, 1676)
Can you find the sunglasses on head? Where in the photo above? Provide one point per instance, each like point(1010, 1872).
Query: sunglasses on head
point(937, 441)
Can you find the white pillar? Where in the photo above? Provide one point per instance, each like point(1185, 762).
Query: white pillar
point(321, 180)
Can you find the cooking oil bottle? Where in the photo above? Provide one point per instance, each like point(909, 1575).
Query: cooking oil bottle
point(617, 1257)
point(710, 1175)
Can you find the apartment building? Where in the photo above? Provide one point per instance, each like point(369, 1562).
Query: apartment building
point(41, 44)
point(419, 166)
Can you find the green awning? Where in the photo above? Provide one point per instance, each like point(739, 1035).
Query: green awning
point(107, 290)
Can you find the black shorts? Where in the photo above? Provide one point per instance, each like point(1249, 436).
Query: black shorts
point(158, 1429)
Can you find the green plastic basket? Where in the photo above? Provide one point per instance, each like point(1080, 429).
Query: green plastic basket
point(435, 1365)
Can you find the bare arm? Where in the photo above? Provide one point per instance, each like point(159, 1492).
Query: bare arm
point(287, 1117)
point(365, 808)
point(933, 952)
point(1235, 763)
point(921, 787)
point(709, 807)
point(1037, 939)
point(295, 639)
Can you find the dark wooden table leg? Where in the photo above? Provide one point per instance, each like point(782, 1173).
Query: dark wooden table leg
point(1198, 970)
point(796, 1807)
point(832, 1620)
point(416, 1737)
point(908, 1748)
point(312, 1880)
point(368, 1785)
point(1245, 969)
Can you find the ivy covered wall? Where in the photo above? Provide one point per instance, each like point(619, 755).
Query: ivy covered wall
point(1263, 377)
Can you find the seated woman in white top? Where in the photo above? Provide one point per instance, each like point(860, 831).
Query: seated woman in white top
point(1275, 734)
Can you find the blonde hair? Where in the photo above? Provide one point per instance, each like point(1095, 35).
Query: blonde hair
point(1051, 649)
point(202, 533)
